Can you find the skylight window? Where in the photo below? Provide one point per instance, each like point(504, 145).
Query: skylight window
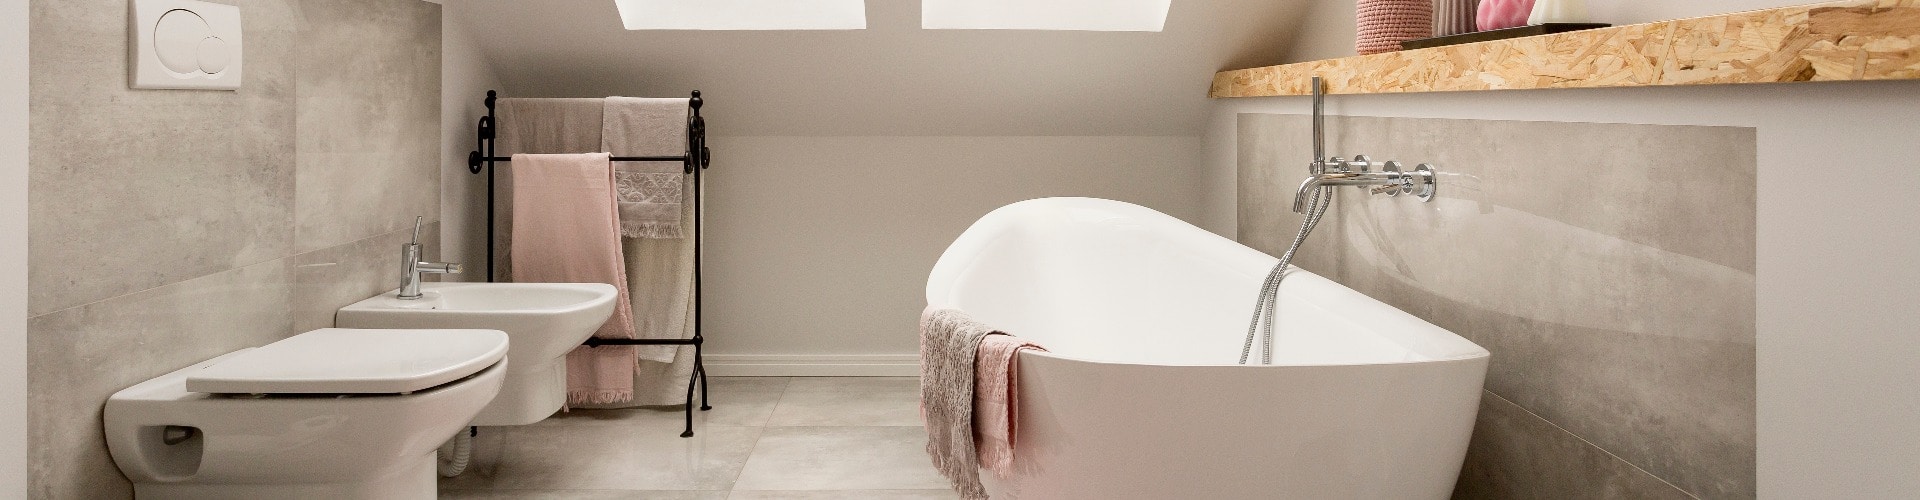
point(743, 14)
point(1075, 15)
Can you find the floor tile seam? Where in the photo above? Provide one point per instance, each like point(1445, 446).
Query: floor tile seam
point(1609, 453)
point(751, 451)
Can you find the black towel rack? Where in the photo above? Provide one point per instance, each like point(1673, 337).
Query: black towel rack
point(697, 158)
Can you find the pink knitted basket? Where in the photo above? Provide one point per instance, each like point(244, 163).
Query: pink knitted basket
point(1383, 24)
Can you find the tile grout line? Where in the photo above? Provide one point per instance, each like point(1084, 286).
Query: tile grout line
point(212, 274)
point(1584, 440)
point(734, 483)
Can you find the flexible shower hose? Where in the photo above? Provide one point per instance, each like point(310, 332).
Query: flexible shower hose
point(455, 454)
point(1265, 306)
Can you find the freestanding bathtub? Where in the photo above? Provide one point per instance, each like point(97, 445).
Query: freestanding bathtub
point(1141, 395)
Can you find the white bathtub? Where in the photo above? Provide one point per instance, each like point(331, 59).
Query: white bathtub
point(1141, 396)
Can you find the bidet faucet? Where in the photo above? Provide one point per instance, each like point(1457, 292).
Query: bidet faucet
point(412, 267)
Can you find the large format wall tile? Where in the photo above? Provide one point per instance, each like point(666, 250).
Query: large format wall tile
point(326, 280)
point(368, 119)
point(1608, 267)
point(171, 226)
point(1516, 454)
point(133, 189)
point(79, 356)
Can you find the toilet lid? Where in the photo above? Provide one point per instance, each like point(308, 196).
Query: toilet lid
point(354, 361)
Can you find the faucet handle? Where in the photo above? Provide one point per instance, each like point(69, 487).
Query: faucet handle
point(1360, 163)
point(417, 219)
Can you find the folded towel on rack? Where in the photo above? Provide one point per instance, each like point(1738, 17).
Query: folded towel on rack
point(536, 126)
point(996, 399)
point(949, 342)
point(650, 192)
point(566, 232)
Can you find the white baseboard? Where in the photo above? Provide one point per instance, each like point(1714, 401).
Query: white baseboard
point(812, 365)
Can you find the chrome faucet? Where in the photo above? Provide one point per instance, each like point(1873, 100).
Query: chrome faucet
point(1392, 181)
point(1337, 171)
point(412, 267)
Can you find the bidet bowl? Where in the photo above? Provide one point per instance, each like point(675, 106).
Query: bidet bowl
point(543, 322)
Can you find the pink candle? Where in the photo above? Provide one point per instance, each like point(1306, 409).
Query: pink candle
point(1502, 14)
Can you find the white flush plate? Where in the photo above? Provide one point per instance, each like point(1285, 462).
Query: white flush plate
point(184, 44)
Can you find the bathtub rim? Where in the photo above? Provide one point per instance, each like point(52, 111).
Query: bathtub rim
point(982, 234)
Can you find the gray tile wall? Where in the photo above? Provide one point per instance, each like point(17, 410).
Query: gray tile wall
point(168, 226)
point(1608, 267)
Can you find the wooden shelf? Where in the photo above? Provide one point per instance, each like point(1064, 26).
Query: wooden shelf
point(1848, 40)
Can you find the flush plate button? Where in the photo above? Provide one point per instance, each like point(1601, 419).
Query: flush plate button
point(185, 44)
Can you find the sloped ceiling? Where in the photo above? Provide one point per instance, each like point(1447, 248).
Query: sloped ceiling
point(892, 78)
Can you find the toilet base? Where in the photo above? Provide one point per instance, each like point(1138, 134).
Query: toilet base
point(527, 396)
point(417, 482)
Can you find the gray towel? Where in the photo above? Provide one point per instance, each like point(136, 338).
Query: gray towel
point(650, 192)
point(536, 126)
point(949, 340)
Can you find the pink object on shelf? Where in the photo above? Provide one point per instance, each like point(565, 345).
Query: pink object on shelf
point(1383, 24)
point(1503, 14)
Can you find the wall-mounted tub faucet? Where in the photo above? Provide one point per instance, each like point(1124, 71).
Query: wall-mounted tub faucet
point(412, 267)
point(1391, 180)
point(1336, 171)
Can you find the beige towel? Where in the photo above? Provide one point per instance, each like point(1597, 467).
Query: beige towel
point(566, 233)
point(536, 126)
point(650, 192)
point(660, 270)
point(996, 400)
point(949, 341)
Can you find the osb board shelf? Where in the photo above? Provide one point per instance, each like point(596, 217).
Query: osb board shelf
point(1847, 40)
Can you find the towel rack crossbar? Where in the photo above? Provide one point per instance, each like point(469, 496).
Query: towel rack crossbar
point(614, 158)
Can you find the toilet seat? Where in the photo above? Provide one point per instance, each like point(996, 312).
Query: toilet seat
point(325, 415)
point(354, 361)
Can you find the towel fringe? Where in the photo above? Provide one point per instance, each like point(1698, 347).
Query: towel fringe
point(598, 397)
point(650, 230)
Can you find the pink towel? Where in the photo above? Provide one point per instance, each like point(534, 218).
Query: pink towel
point(566, 231)
point(996, 400)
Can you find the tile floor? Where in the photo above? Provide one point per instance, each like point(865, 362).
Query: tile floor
point(766, 438)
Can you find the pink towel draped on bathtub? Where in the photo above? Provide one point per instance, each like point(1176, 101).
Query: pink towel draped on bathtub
point(966, 385)
point(566, 231)
point(996, 399)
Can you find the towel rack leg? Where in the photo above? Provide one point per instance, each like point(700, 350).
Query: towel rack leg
point(689, 407)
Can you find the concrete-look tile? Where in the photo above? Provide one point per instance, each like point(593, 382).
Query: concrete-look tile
point(368, 118)
point(80, 356)
point(327, 280)
point(447, 494)
point(733, 385)
point(846, 494)
point(134, 189)
point(744, 409)
point(1620, 308)
point(840, 458)
point(849, 401)
point(1516, 454)
point(641, 456)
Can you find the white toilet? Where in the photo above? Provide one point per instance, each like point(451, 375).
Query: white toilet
point(332, 413)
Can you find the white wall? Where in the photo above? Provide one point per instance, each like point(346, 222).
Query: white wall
point(465, 77)
point(1836, 254)
point(818, 248)
point(13, 249)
